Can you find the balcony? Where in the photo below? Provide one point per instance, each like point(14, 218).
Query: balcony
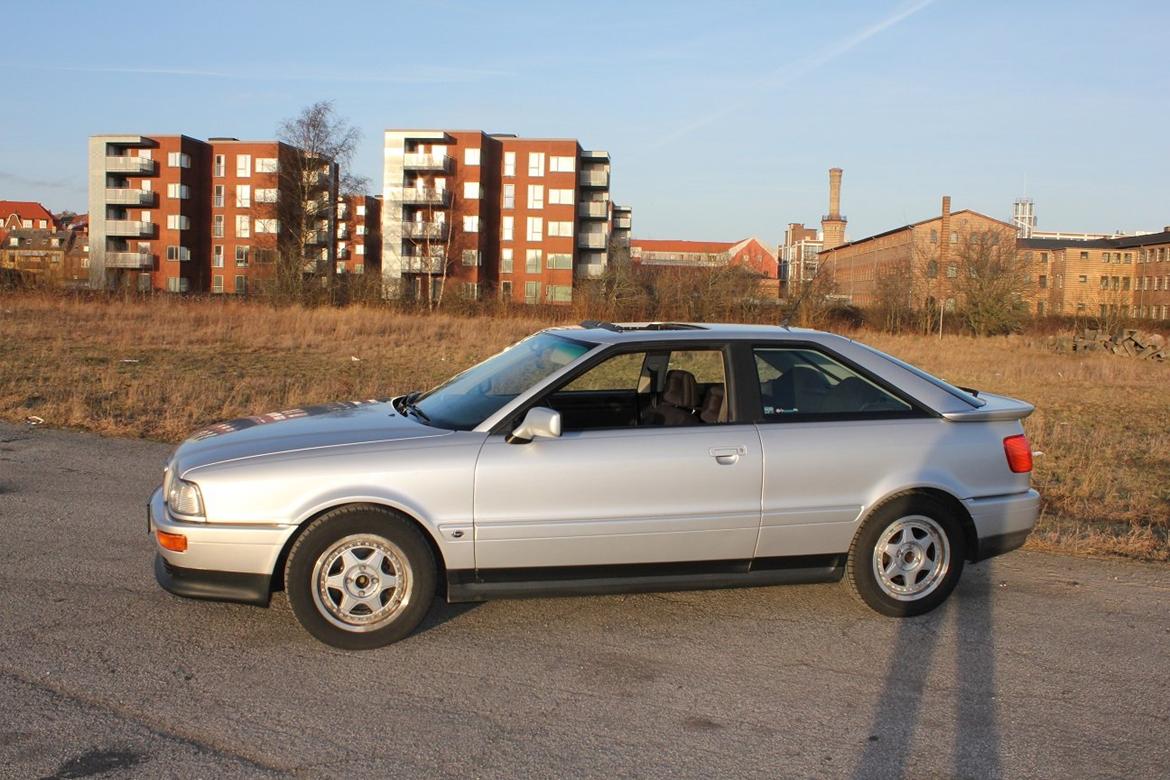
point(595, 209)
point(417, 195)
point(129, 197)
point(623, 222)
point(413, 161)
point(129, 228)
point(423, 264)
point(342, 232)
point(316, 237)
point(593, 179)
point(318, 179)
point(591, 240)
point(134, 260)
point(424, 230)
point(128, 164)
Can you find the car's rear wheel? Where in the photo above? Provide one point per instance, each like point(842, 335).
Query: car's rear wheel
point(907, 557)
point(360, 577)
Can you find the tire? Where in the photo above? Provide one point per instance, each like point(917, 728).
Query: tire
point(338, 577)
point(907, 557)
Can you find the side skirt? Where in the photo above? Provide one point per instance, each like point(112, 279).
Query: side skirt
point(482, 585)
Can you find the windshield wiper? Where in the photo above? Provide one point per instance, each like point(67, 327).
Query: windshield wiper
point(409, 405)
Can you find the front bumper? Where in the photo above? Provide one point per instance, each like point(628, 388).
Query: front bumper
point(1003, 523)
point(221, 562)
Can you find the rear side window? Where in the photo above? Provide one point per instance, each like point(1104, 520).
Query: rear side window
point(803, 384)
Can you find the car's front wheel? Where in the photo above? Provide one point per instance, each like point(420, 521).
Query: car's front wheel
point(907, 557)
point(360, 577)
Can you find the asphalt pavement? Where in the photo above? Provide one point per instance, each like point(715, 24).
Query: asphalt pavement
point(1038, 666)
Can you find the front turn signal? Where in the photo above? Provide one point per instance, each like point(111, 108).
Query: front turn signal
point(172, 542)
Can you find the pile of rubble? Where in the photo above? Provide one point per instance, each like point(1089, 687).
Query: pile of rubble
point(1129, 342)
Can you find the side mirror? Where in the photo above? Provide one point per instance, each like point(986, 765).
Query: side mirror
point(540, 421)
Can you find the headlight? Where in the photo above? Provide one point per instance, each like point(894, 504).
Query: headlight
point(183, 499)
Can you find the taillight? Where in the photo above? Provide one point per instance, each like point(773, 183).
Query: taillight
point(1019, 453)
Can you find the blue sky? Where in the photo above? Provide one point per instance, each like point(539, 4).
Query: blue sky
point(722, 118)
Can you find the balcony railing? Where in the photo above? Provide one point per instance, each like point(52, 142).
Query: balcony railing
point(316, 237)
point(419, 195)
point(591, 240)
point(414, 161)
point(424, 229)
point(128, 164)
point(594, 178)
point(129, 260)
point(129, 197)
point(622, 223)
point(596, 209)
point(127, 227)
point(423, 264)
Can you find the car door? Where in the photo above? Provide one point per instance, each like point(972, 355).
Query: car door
point(631, 490)
point(832, 437)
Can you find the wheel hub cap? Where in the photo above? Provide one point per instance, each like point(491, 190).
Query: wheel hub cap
point(361, 582)
point(911, 558)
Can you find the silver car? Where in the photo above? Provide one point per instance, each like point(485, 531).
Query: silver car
point(598, 459)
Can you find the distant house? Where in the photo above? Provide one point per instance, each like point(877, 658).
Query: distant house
point(750, 253)
point(27, 214)
point(45, 257)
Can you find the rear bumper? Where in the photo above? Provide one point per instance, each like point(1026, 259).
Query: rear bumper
point(1003, 523)
point(221, 562)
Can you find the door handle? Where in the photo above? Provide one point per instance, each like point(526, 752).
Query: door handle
point(727, 455)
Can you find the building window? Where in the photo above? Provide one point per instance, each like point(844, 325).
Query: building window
point(1104, 282)
point(471, 189)
point(535, 228)
point(178, 222)
point(1060, 281)
point(268, 195)
point(178, 253)
point(1128, 257)
point(359, 249)
point(1044, 282)
point(471, 156)
point(506, 261)
point(243, 254)
point(244, 196)
point(217, 226)
point(954, 237)
point(471, 223)
point(217, 256)
point(1083, 279)
point(1084, 255)
point(267, 225)
point(532, 261)
point(177, 285)
point(217, 172)
point(509, 163)
point(506, 290)
point(952, 271)
point(178, 160)
point(470, 257)
point(560, 197)
point(217, 283)
point(531, 292)
point(180, 191)
point(509, 196)
point(560, 261)
point(562, 164)
point(932, 269)
point(243, 226)
point(536, 163)
point(535, 196)
point(506, 228)
point(243, 165)
point(1039, 308)
point(359, 230)
point(267, 165)
point(217, 198)
point(361, 210)
point(559, 293)
point(1043, 257)
point(1125, 283)
point(471, 290)
point(934, 236)
point(560, 229)
point(241, 285)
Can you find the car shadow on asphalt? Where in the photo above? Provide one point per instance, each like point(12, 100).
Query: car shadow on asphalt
point(906, 688)
point(442, 612)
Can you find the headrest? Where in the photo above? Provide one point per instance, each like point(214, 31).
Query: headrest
point(713, 405)
point(681, 389)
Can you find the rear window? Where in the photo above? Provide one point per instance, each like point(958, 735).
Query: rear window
point(803, 384)
point(934, 380)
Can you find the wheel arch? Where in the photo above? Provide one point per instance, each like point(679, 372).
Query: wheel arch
point(277, 582)
point(947, 499)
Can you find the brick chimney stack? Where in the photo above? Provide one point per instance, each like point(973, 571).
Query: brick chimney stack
point(945, 230)
point(833, 224)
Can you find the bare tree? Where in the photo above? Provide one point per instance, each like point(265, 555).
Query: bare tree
point(893, 294)
point(312, 172)
point(992, 283)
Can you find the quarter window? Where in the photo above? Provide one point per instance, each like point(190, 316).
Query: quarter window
point(798, 383)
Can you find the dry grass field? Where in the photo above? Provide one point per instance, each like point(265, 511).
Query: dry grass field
point(163, 367)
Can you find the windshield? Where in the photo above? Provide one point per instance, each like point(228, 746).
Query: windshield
point(469, 398)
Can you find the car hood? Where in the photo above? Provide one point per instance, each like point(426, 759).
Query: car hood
point(302, 428)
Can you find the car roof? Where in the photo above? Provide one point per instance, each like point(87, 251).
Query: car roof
point(642, 332)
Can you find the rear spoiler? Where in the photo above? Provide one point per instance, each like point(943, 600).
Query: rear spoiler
point(995, 407)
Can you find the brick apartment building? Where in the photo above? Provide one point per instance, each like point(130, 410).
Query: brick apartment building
point(468, 212)
point(174, 213)
point(922, 253)
point(1127, 276)
point(359, 234)
point(750, 253)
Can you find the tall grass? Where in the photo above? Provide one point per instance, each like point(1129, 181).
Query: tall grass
point(161, 367)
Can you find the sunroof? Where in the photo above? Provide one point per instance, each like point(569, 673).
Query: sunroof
point(626, 327)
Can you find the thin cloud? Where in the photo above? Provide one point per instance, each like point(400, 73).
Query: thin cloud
point(68, 182)
point(788, 73)
point(440, 75)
